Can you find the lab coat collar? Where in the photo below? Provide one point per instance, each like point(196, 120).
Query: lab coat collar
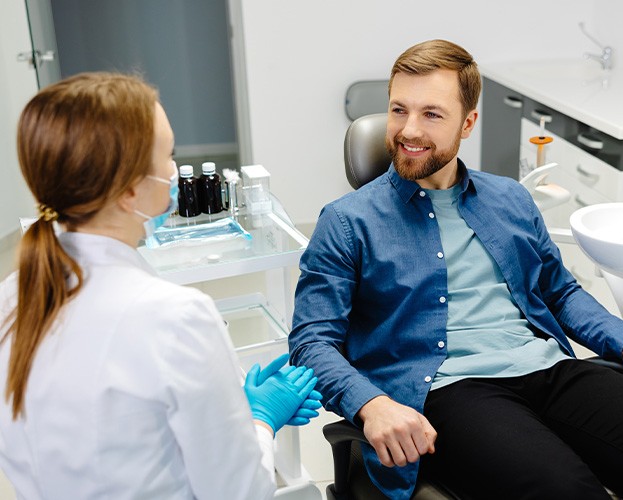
point(93, 249)
point(407, 189)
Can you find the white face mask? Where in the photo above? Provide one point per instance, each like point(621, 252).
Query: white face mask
point(153, 223)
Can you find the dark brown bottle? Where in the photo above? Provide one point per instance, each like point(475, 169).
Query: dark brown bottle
point(210, 197)
point(188, 198)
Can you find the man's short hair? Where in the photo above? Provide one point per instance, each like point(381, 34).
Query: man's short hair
point(432, 55)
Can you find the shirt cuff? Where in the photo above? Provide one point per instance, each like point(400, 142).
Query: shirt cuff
point(355, 397)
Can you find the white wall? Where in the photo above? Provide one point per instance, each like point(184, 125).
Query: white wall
point(301, 56)
point(18, 83)
point(14, 92)
point(607, 28)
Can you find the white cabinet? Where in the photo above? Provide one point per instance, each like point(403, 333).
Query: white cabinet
point(590, 181)
point(580, 114)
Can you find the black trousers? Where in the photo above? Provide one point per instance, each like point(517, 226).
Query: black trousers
point(553, 434)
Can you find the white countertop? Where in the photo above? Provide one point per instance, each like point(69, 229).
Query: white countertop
point(578, 88)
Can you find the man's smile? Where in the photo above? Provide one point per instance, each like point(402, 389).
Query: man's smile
point(414, 149)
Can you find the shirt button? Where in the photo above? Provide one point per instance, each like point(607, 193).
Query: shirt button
point(431, 215)
point(427, 379)
point(441, 344)
point(442, 300)
point(422, 194)
point(440, 255)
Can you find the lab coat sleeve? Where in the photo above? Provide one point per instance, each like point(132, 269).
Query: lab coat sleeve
point(324, 298)
point(581, 317)
point(207, 409)
point(265, 440)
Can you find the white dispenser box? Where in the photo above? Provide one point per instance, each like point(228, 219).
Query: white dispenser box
point(256, 189)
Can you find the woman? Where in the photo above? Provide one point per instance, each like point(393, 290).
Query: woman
point(118, 383)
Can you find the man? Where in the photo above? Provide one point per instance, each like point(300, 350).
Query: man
point(435, 311)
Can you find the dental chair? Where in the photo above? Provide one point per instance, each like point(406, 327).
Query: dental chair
point(365, 158)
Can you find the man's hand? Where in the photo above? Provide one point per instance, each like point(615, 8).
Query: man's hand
point(398, 433)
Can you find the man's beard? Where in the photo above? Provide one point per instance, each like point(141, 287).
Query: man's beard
point(413, 169)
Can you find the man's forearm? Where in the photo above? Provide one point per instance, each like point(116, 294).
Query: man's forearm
point(343, 388)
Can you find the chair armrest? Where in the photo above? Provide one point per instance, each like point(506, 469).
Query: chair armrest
point(343, 430)
point(610, 363)
point(340, 435)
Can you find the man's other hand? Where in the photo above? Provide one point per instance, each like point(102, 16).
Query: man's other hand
point(398, 433)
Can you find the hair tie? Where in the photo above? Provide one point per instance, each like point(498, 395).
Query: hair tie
point(48, 214)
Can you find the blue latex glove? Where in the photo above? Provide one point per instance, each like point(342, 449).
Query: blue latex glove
point(275, 395)
point(307, 410)
point(273, 367)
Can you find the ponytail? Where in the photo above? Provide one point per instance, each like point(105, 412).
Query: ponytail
point(45, 275)
point(101, 123)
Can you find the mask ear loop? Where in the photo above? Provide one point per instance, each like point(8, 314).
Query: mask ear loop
point(145, 216)
point(160, 179)
point(174, 176)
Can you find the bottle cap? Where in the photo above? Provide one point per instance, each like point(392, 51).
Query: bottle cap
point(208, 167)
point(186, 171)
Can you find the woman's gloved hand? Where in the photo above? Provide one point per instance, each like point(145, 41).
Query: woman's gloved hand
point(307, 410)
point(276, 394)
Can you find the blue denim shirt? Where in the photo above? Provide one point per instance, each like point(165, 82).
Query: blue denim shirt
point(371, 311)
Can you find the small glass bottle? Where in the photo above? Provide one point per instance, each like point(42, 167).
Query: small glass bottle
point(210, 197)
point(188, 199)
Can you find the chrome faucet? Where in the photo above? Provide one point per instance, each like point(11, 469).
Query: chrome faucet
point(605, 58)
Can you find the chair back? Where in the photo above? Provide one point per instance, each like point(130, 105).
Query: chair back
point(365, 155)
point(366, 97)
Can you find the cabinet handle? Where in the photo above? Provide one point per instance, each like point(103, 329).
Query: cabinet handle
point(585, 173)
point(537, 114)
point(590, 141)
point(513, 102)
point(580, 201)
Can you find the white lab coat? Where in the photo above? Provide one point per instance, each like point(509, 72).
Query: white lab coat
point(135, 394)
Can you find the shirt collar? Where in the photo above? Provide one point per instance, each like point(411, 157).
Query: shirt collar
point(407, 189)
point(93, 249)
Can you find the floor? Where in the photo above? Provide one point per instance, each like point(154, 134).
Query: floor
point(315, 451)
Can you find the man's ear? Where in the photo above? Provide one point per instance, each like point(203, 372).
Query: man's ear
point(469, 123)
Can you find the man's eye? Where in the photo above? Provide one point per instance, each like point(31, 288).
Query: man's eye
point(430, 114)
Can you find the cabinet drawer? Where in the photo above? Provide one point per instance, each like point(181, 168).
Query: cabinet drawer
point(594, 173)
point(581, 196)
point(501, 122)
point(555, 121)
point(590, 172)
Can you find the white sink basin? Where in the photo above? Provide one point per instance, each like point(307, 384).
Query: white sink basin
point(598, 230)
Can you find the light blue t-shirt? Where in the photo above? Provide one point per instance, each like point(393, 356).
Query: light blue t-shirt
point(488, 336)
